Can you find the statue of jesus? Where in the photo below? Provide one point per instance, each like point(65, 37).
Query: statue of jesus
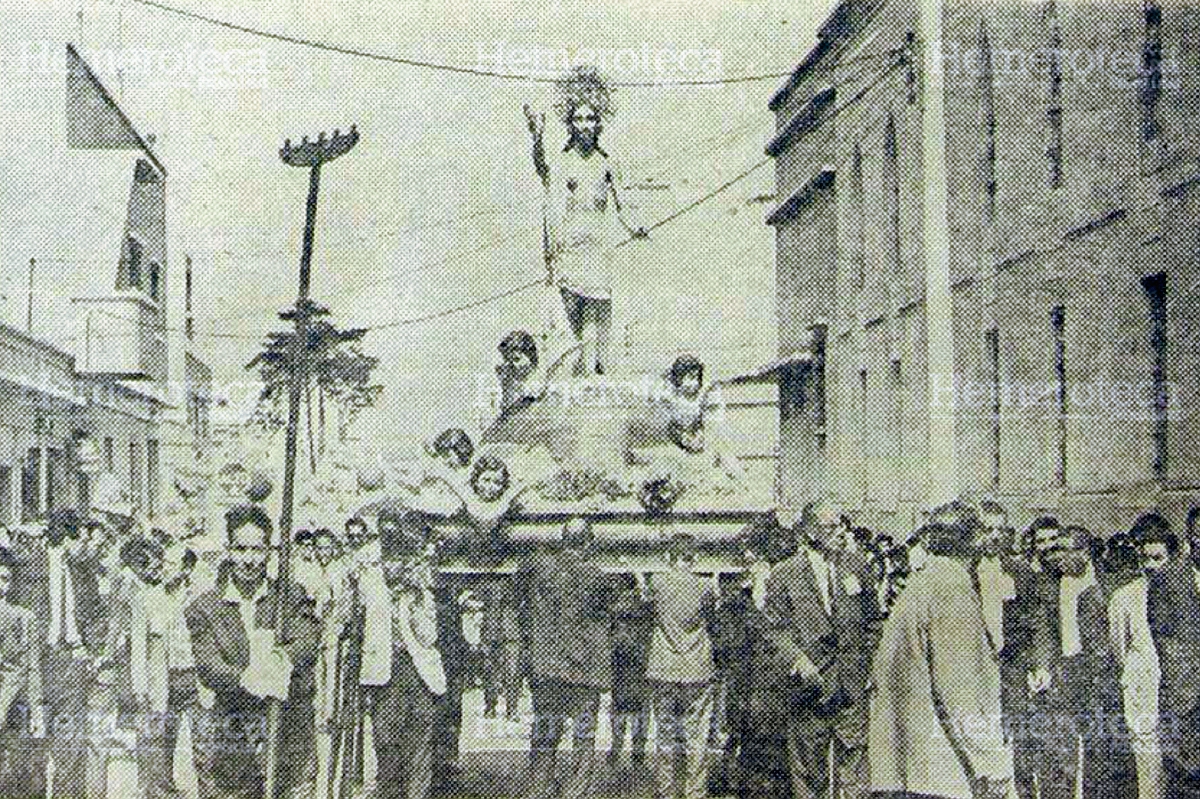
point(583, 218)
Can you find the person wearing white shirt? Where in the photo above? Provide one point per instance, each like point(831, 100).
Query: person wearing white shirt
point(139, 650)
point(1137, 661)
point(1081, 666)
point(402, 693)
point(318, 569)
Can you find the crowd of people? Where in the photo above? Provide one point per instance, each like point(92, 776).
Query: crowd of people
point(966, 660)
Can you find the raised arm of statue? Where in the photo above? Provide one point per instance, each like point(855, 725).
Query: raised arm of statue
point(537, 126)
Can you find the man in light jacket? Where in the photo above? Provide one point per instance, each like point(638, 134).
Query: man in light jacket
point(935, 726)
point(402, 667)
point(680, 669)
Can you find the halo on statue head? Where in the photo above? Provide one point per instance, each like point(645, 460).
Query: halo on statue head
point(584, 85)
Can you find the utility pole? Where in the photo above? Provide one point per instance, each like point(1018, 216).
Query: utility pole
point(29, 299)
point(310, 155)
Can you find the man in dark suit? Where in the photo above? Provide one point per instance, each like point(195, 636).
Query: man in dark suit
point(1174, 599)
point(569, 600)
point(817, 624)
point(1073, 674)
point(60, 584)
point(241, 665)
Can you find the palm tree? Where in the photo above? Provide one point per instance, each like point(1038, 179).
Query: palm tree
point(337, 369)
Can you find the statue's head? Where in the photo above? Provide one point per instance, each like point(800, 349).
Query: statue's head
point(584, 102)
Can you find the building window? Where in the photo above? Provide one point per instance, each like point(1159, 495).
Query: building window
point(1151, 77)
point(1059, 329)
point(133, 263)
point(1054, 106)
point(801, 389)
point(991, 346)
point(154, 278)
point(109, 455)
point(858, 203)
point(31, 485)
point(54, 475)
point(891, 187)
point(135, 475)
point(1155, 289)
point(151, 476)
point(987, 89)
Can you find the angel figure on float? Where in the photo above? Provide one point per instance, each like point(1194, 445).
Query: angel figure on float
point(682, 414)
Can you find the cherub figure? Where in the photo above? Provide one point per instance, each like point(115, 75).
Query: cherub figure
point(491, 495)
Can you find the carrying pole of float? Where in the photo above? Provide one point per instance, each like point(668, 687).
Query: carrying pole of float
point(310, 155)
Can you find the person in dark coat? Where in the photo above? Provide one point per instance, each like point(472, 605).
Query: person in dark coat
point(458, 661)
point(819, 607)
point(410, 675)
point(1174, 604)
point(1078, 657)
point(61, 585)
point(240, 665)
point(569, 599)
point(631, 630)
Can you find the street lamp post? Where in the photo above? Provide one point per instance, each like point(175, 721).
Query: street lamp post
point(311, 155)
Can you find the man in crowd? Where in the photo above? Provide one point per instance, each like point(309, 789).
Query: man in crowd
point(21, 719)
point(149, 645)
point(994, 571)
point(367, 588)
point(680, 670)
point(1174, 607)
point(816, 624)
point(935, 730)
point(1072, 659)
point(241, 664)
point(1160, 548)
point(60, 584)
point(182, 689)
point(632, 627)
point(1026, 656)
point(570, 660)
point(404, 673)
point(320, 570)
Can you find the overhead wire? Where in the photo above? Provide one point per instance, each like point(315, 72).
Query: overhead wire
point(541, 281)
point(435, 66)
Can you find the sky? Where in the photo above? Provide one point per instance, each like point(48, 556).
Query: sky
point(438, 205)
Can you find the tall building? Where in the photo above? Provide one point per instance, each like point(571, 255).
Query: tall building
point(87, 385)
point(986, 255)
